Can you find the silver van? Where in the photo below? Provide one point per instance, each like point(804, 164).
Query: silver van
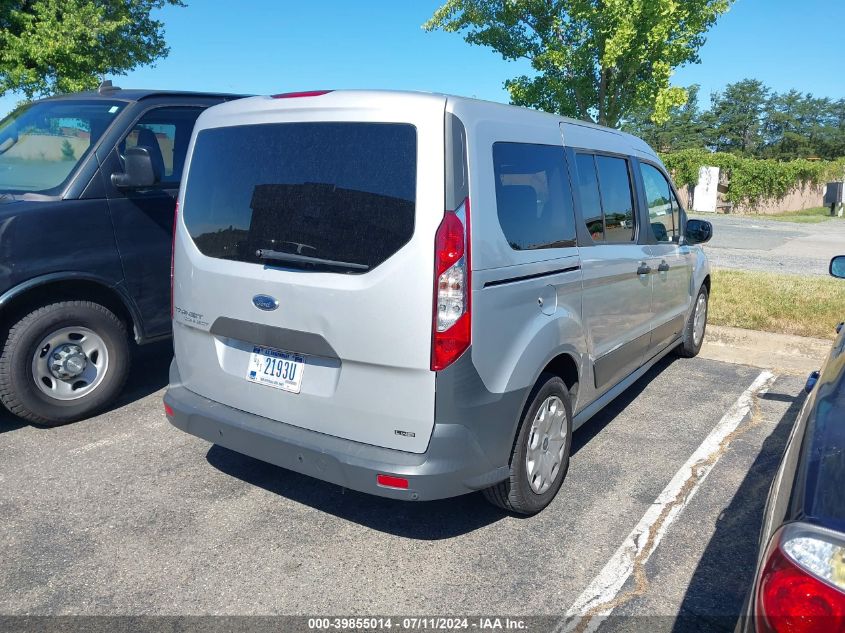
point(417, 295)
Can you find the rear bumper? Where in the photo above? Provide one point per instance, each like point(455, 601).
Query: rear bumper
point(454, 463)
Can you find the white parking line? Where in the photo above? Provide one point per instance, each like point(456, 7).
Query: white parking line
point(602, 595)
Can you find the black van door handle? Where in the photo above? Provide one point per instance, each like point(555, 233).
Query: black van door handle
point(664, 267)
point(644, 269)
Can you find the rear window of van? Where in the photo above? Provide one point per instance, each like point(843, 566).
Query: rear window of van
point(328, 196)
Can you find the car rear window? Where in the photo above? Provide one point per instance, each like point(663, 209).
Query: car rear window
point(328, 194)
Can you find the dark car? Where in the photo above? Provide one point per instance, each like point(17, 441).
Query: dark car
point(800, 581)
point(88, 186)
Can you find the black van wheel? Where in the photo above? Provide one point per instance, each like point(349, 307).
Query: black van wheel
point(63, 361)
point(696, 326)
point(540, 456)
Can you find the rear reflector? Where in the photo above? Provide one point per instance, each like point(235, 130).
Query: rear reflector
point(388, 481)
point(802, 586)
point(168, 410)
point(294, 95)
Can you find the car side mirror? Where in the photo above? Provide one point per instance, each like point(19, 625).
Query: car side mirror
point(698, 232)
point(138, 170)
point(837, 266)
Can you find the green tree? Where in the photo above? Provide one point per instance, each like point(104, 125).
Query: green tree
point(597, 60)
point(682, 130)
point(54, 46)
point(735, 117)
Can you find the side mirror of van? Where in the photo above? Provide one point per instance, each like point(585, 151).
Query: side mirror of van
point(837, 266)
point(138, 172)
point(698, 232)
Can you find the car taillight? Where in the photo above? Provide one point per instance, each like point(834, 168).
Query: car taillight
point(451, 323)
point(173, 254)
point(802, 586)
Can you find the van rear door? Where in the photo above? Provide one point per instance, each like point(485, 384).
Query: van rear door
point(304, 262)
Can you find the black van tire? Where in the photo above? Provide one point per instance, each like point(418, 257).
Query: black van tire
point(688, 347)
point(515, 493)
point(18, 390)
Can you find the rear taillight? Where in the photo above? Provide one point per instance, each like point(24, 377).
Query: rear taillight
point(294, 95)
point(802, 586)
point(451, 323)
point(173, 255)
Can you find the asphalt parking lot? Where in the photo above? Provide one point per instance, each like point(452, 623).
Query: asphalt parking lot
point(755, 243)
point(123, 514)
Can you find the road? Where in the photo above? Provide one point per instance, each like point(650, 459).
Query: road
point(123, 514)
point(751, 243)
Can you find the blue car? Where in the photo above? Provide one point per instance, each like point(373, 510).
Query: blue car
point(800, 579)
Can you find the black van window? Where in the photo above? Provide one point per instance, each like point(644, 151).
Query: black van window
point(617, 201)
point(533, 196)
point(165, 132)
point(327, 193)
point(588, 191)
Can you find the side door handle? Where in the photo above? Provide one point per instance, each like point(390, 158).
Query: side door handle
point(664, 267)
point(644, 269)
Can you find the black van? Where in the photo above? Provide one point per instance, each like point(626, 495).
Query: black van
point(88, 186)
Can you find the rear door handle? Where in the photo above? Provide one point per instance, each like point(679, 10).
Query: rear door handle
point(664, 267)
point(644, 269)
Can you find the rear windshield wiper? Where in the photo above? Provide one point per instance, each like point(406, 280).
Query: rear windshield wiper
point(306, 259)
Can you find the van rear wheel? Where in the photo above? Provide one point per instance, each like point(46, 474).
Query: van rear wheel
point(540, 456)
point(63, 361)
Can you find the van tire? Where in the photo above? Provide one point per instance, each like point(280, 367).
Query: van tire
point(688, 347)
point(515, 493)
point(19, 390)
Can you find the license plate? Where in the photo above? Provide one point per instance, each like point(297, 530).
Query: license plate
point(275, 368)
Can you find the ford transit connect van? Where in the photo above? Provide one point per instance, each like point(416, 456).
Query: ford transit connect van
point(417, 295)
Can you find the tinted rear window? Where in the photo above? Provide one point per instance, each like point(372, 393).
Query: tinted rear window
point(338, 192)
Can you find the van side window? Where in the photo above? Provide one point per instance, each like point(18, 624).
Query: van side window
point(617, 201)
point(663, 208)
point(165, 132)
point(588, 189)
point(533, 196)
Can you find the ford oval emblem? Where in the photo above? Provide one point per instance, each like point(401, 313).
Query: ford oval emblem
point(265, 302)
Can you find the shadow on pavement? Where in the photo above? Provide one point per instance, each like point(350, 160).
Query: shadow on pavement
point(725, 572)
point(149, 373)
point(424, 520)
point(600, 420)
point(9, 422)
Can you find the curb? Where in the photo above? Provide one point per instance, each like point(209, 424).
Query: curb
point(784, 353)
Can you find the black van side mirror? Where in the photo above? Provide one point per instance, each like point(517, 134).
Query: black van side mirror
point(698, 232)
point(138, 172)
point(837, 266)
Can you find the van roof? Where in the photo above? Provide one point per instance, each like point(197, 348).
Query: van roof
point(476, 107)
point(138, 94)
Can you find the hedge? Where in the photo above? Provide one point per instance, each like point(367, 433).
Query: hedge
point(753, 179)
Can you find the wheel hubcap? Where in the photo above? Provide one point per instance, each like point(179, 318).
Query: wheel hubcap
point(699, 320)
point(70, 363)
point(546, 444)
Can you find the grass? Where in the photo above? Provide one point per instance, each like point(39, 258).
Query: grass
point(771, 302)
point(805, 216)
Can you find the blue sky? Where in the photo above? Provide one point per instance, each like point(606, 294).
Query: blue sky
point(266, 46)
